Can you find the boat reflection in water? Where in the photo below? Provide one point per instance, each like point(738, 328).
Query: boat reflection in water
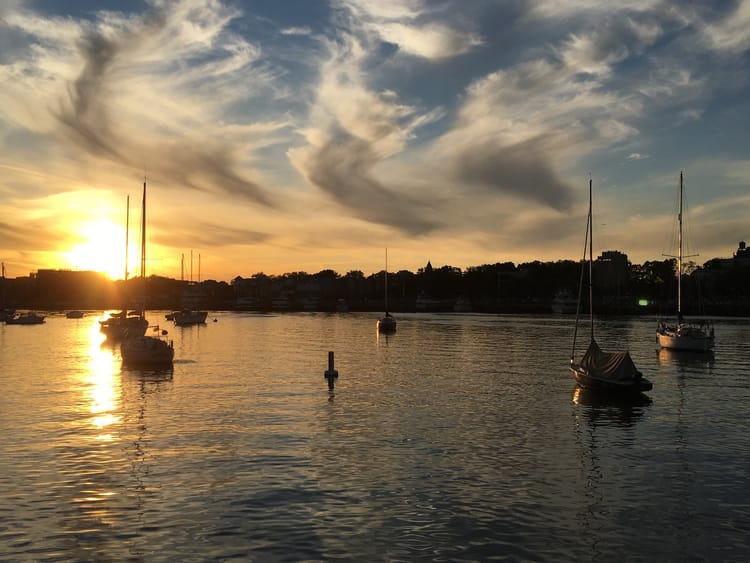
point(685, 358)
point(620, 409)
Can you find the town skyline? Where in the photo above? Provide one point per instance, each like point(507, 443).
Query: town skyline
point(277, 137)
point(690, 263)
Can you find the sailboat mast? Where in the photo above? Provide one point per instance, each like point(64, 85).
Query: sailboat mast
point(143, 232)
point(127, 224)
point(591, 262)
point(386, 280)
point(679, 255)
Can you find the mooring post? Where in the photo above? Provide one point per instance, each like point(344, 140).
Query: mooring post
point(331, 374)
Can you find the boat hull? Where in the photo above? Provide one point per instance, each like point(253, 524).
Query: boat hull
point(387, 325)
point(116, 328)
point(187, 318)
point(147, 351)
point(25, 319)
point(588, 380)
point(694, 339)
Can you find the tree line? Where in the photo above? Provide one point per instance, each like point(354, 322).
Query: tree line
point(719, 286)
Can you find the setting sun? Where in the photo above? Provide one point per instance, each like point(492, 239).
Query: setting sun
point(102, 248)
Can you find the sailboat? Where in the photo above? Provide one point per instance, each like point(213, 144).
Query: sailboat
point(122, 324)
point(599, 370)
point(139, 350)
point(387, 323)
point(696, 336)
point(187, 316)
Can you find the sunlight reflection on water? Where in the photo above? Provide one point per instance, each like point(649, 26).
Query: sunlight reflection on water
point(458, 437)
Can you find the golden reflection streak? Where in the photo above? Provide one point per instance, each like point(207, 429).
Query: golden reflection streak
point(102, 373)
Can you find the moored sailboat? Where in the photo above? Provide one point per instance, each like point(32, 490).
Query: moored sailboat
point(387, 323)
point(141, 350)
point(27, 318)
point(599, 370)
point(187, 317)
point(117, 326)
point(684, 335)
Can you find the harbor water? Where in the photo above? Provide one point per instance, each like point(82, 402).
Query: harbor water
point(460, 437)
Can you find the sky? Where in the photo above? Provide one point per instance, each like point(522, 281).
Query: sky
point(300, 135)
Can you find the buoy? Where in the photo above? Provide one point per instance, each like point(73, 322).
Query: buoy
point(331, 374)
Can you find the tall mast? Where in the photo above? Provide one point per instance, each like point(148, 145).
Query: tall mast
point(679, 256)
point(386, 280)
point(143, 232)
point(591, 262)
point(127, 224)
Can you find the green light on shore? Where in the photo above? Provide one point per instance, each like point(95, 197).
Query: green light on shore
point(643, 302)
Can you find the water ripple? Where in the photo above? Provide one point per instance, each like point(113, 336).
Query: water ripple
point(459, 438)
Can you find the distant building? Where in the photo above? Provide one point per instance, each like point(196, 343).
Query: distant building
point(742, 252)
point(612, 271)
point(70, 288)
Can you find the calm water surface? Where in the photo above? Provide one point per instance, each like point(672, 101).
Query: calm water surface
point(460, 438)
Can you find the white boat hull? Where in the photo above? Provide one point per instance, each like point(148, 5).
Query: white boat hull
point(685, 338)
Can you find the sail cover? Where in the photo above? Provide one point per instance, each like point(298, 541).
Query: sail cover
point(615, 366)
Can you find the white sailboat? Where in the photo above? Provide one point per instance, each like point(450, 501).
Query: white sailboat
point(683, 335)
point(139, 350)
point(387, 323)
point(599, 370)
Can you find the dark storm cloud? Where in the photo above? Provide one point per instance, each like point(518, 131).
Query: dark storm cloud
point(93, 125)
point(342, 169)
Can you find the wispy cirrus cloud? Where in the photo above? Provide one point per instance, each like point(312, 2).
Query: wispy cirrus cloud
point(142, 78)
point(450, 124)
point(415, 27)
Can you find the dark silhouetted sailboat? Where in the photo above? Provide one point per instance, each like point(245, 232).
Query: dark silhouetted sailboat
point(387, 323)
point(599, 370)
point(125, 323)
point(139, 350)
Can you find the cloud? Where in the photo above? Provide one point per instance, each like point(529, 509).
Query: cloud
point(448, 124)
point(302, 30)
point(352, 130)
point(432, 41)
point(208, 234)
point(731, 33)
point(342, 168)
point(145, 95)
point(520, 170)
point(415, 27)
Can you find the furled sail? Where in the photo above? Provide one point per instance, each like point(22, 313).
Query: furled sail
point(614, 366)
